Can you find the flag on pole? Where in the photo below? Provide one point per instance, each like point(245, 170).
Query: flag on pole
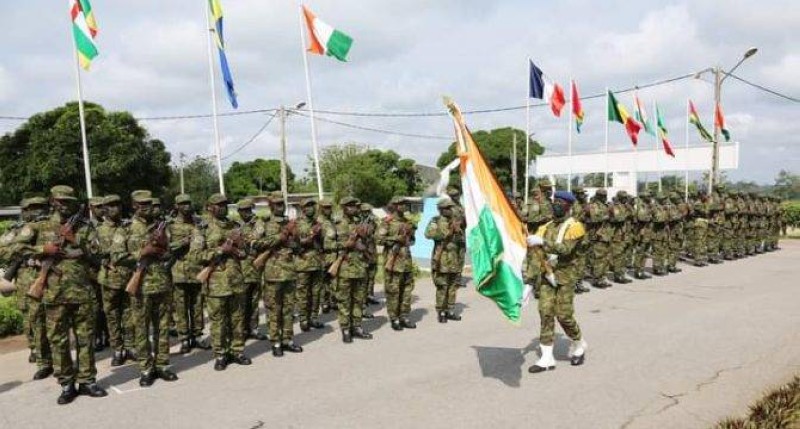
point(495, 235)
point(219, 38)
point(577, 109)
point(641, 115)
point(694, 118)
point(544, 89)
point(324, 39)
point(662, 133)
point(84, 30)
point(618, 113)
point(719, 123)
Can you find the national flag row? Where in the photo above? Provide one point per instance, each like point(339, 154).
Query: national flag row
point(543, 88)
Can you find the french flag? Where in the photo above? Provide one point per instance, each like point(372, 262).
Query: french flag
point(544, 89)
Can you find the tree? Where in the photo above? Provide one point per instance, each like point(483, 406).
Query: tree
point(46, 150)
point(200, 181)
point(496, 147)
point(255, 177)
point(787, 185)
point(371, 175)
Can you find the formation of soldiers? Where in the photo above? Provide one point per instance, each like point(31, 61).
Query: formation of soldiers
point(126, 283)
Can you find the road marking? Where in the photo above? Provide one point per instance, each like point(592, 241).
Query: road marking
point(122, 392)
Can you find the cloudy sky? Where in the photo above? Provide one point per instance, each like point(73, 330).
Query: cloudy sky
point(406, 55)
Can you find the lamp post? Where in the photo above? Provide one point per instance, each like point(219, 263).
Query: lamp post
point(719, 78)
point(284, 179)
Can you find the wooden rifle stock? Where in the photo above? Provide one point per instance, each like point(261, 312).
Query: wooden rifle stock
point(157, 238)
point(36, 290)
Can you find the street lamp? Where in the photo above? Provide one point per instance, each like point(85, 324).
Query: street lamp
point(719, 77)
point(284, 179)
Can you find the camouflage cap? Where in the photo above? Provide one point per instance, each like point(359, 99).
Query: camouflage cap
point(62, 192)
point(693, 193)
point(544, 183)
point(645, 194)
point(349, 201)
point(217, 199)
point(674, 195)
point(156, 201)
point(245, 204)
point(325, 203)
point(601, 191)
point(308, 202)
point(96, 202)
point(397, 200)
point(578, 190)
point(445, 203)
point(622, 194)
point(453, 191)
point(183, 199)
point(275, 197)
point(141, 196)
point(366, 207)
point(111, 199)
point(33, 201)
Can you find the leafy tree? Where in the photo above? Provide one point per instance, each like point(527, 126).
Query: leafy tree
point(199, 179)
point(46, 150)
point(255, 177)
point(496, 147)
point(787, 185)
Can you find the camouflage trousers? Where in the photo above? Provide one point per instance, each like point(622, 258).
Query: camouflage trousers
point(712, 240)
point(351, 295)
point(601, 252)
point(151, 318)
point(640, 255)
point(697, 240)
point(117, 306)
point(252, 296)
point(557, 303)
point(36, 320)
point(372, 270)
point(675, 246)
point(618, 261)
point(727, 240)
point(280, 296)
point(328, 291)
point(23, 305)
point(78, 318)
point(188, 304)
point(398, 294)
point(446, 287)
point(660, 253)
point(227, 324)
point(309, 289)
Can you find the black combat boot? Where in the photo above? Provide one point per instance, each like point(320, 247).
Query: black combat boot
point(277, 350)
point(453, 316)
point(147, 379)
point(166, 375)
point(304, 327)
point(347, 337)
point(358, 332)
point(316, 324)
point(396, 325)
point(68, 394)
point(366, 314)
point(91, 389)
point(442, 317)
point(43, 373)
point(186, 347)
point(220, 363)
point(118, 358)
point(408, 324)
point(674, 269)
point(241, 359)
point(371, 300)
point(292, 347)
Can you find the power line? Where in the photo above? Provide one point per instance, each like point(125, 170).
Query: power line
point(251, 139)
point(755, 85)
point(377, 130)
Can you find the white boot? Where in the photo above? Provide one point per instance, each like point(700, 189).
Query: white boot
point(577, 350)
point(546, 361)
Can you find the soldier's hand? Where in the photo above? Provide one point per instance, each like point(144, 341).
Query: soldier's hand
point(67, 233)
point(227, 248)
point(316, 230)
point(51, 249)
point(150, 250)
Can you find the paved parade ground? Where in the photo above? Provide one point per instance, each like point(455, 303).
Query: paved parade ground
point(681, 351)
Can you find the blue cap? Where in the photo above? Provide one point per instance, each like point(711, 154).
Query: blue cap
point(566, 196)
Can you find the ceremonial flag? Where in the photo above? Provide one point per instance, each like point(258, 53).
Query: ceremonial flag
point(219, 38)
point(544, 89)
point(495, 235)
point(84, 30)
point(662, 133)
point(719, 123)
point(694, 118)
point(618, 113)
point(577, 109)
point(326, 40)
point(641, 115)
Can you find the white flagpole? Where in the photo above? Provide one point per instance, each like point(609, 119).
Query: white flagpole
point(569, 136)
point(686, 155)
point(605, 174)
point(658, 153)
point(527, 136)
point(217, 151)
point(310, 101)
point(84, 145)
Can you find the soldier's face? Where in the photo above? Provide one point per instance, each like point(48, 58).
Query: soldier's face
point(113, 211)
point(326, 211)
point(184, 208)
point(400, 208)
point(144, 210)
point(446, 212)
point(246, 214)
point(98, 211)
point(278, 208)
point(310, 210)
point(548, 192)
point(220, 211)
point(65, 208)
point(156, 211)
point(601, 197)
point(350, 210)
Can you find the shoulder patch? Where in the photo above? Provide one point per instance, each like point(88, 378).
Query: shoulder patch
point(575, 231)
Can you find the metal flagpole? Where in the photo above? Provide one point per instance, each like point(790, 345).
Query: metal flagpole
point(84, 145)
point(527, 136)
point(514, 167)
point(217, 151)
point(686, 155)
point(315, 147)
point(658, 151)
point(569, 135)
point(605, 174)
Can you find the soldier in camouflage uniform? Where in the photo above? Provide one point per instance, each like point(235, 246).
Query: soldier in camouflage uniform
point(448, 236)
point(253, 229)
point(661, 235)
point(741, 228)
point(397, 236)
point(308, 264)
point(101, 341)
point(113, 278)
point(620, 238)
point(580, 209)
point(537, 213)
point(715, 224)
point(559, 240)
point(351, 247)
point(677, 213)
point(698, 232)
point(218, 245)
point(18, 246)
point(280, 240)
point(599, 234)
point(329, 246)
point(458, 213)
point(643, 217)
point(135, 248)
point(187, 296)
point(728, 226)
point(69, 296)
point(372, 255)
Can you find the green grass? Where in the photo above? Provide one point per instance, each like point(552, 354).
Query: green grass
point(11, 319)
point(779, 409)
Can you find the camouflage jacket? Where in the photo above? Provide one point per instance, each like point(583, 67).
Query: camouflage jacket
point(354, 261)
point(538, 212)
point(619, 215)
point(644, 218)
point(310, 254)
point(564, 256)
point(252, 231)
point(448, 237)
point(184, 270)
point(21, 242)
point(371, 223)
point(111, 275)
point(280, 264)
point(125, 252)
point(598, 220)
point(227, 278)
point(398, 237)
point(330, 240)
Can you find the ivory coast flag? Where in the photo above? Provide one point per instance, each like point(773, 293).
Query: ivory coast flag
point(84, 29)
point(495, 235)
point(324, 39)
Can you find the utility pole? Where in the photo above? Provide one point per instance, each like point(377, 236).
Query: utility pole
point(284, 185)
point(715, 151)
point(514, 167)
point(183, 162)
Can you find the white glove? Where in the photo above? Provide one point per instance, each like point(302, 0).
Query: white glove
point(535, 240)
point(526, 296)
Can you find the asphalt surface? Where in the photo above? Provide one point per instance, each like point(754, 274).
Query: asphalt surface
point(681, 351)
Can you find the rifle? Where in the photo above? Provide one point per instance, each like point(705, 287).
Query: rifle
point(455, 228)
point(405, 232)
point(233, 240)
point(337, 264)
point(158, 238)
point(261, 260)
point(36, 291)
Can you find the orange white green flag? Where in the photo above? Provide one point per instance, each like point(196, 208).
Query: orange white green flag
point(324, 39)
point(84, 30)
point(495, 235)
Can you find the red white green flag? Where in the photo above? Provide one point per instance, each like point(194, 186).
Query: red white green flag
point(577, 109)
point(84, 30)
point(618, 113)
point(324, 39)
point(662, 133)
point(694, 118)
point(719, 123)
point(641, 115)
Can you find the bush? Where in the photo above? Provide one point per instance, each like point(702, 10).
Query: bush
point(779, 409)
point(792, 209)
point(11, 319)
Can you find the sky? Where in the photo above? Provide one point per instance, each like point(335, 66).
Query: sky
point(406, 55)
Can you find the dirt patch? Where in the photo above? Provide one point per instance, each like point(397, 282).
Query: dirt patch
point(12, 344)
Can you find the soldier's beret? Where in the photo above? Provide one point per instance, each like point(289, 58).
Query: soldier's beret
point(601, 191)
point(62, 192)
point(308, 202)
point(544, 183)
point(216, 199)
point(156, 201)
point(565, 196)
point(96, 201)
point(325, 203)
point(142, 196)
point(445, 203)
point(366, 207)
point(183, 199)
point(244, 204)
point(111, 198)
point(453, 191)
point(348, 201)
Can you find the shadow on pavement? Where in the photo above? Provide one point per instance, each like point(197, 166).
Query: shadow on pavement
point(417, 314)
point(5, 387)
point(507, 364)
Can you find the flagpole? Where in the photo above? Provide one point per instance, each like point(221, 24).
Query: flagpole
point(569, 134)
point(605, 174)
point(84, 145)
point(310, 101)
point(217, 151)
point(527, 137)
point(686, 156)
point(656, 137)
